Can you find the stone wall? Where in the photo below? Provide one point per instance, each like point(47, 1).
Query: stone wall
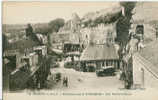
point(143, 76)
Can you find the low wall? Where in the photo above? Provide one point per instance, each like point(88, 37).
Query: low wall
point(143, 76)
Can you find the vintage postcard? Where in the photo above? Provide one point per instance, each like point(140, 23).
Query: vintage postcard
point(80, 50)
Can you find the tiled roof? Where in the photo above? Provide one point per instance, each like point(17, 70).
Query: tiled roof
point(99, 52)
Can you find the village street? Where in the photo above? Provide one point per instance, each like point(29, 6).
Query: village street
point(83, 81)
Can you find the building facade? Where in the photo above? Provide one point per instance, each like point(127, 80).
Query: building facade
point(98, 56)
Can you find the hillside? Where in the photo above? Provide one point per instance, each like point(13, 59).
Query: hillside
point(102, 16)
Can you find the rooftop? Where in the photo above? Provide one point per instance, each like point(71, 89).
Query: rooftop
point(99, 52)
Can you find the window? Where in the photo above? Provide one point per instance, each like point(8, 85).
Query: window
point(107, 64)
point(22, 60)
point(103, 64)
point(140, 29)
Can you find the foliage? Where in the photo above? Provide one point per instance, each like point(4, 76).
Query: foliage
point(4, 42)
point(52, 26)
point(123, 24)
point(29, 30)
point(56, 24)
point(109, 18)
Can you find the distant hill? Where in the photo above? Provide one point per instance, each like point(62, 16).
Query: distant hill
point(12, 28)
point(15, 28)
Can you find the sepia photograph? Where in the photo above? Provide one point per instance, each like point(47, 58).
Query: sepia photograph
point(80, 50)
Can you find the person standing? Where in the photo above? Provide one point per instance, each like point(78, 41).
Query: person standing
point(66, 81)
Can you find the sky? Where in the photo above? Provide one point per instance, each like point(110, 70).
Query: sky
point(39, 12)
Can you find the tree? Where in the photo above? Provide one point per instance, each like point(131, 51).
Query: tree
point(43, 30)
point(4, 42)
point(29, 30)
point(56, 24)
point(123, 24)
point(52, 26)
